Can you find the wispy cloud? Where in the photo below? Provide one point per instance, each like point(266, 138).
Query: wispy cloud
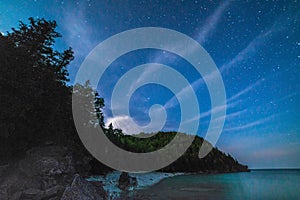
point(182, 94)
point(216, 109)
point(205, 32)
point(233, 114)
point(251, 124)
point(245, 53)
point(247, 89)
point(211, 23)
point(248, 51)
point(278, 26)
point(79, 32)
point(288, 96)
point(148, 72)
point(195, 85)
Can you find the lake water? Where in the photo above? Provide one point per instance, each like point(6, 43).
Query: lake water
point(257, 184)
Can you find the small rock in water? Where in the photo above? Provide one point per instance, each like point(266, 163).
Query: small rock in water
point(126, 181)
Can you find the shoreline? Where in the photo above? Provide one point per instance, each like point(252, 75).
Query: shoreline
point(226, 186)
point(144, 180)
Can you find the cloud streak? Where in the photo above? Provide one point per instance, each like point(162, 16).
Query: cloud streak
point(242, 55)
point(246, 90)
point(233, 114)
point(206, 31)
point(247, 51)
point(182, 94)
point(251, 124)
point(205, 114)
point(211, 23)
point(79, 32)
point(148, 72)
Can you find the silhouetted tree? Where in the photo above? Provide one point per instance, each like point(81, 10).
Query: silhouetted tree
point(34, 95)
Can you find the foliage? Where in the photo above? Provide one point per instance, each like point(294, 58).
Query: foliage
point(215, 161)
point(34, 94)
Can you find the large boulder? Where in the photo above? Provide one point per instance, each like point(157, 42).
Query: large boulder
point(82, 189)
point(47, 161)
point(126, 181)
point(43, 173)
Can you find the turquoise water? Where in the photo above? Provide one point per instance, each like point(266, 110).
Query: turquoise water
point(257, 184)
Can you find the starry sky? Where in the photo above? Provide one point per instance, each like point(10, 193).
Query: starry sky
point(255, 45)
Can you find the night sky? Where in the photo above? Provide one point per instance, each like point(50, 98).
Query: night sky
point(255, 45)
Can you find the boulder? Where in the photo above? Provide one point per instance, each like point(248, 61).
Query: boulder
point(126, 181)
point(44, 172)
point(82, 189)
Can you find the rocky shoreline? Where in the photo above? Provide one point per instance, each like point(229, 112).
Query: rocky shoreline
point(119, 185)
point(51, 172)
point(46, 172)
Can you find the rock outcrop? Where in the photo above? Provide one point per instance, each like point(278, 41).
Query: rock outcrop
point(43, 173)
point(82, 189)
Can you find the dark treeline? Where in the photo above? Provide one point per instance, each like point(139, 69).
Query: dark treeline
point(36, 105)
point(215, 162)
point(35, 100)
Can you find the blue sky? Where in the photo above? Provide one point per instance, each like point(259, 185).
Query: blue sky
point(255, 45)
